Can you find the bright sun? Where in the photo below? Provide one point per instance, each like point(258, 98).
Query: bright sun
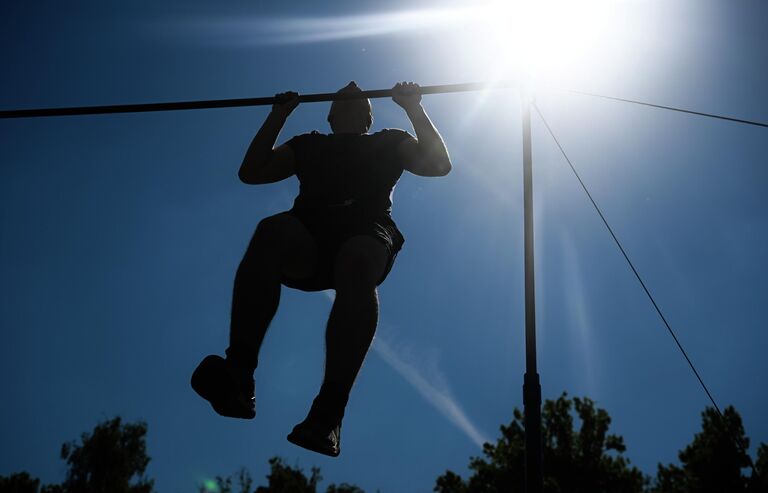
point(535, 35)
point(490, 38)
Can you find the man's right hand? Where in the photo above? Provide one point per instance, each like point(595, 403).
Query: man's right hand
point(286, 103)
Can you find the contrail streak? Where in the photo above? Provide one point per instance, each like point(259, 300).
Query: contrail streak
point(439, 398)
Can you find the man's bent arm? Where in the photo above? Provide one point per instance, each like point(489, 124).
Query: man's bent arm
point(427, 154)
point(431, 157)
point(262, 162)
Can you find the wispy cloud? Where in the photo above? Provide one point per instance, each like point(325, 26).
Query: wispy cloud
point(433, 389)
point(265, 30)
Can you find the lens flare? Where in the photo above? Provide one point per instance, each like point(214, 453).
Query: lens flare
point(211, 486)
point(491, 39)
point(525, 38)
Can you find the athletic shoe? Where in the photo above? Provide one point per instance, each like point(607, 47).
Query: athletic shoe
point(230, 392)
point(317, 437)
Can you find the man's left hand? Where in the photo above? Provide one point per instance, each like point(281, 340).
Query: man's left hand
point(407, 95)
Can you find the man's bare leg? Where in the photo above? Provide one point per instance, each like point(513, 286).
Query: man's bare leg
point(351, 326)
point(355, 313)
point(280, 246)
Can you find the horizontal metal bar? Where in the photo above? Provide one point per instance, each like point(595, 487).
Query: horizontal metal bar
point(232, 103)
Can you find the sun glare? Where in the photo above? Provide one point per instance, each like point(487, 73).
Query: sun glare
point(535, 36)
point(488, 38)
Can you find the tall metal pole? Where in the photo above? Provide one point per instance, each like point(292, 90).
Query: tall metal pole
point(534, 479)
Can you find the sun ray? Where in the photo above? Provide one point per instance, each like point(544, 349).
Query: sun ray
point(497, 38)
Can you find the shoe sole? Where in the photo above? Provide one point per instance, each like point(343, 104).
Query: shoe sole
point(217, 395)
point(306, 441)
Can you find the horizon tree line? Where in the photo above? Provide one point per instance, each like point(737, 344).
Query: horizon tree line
point(580, 456)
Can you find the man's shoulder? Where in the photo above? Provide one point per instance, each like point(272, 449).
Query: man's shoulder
point(391, 132)
point(314, 134)
point(305, 138)
point(391, 136)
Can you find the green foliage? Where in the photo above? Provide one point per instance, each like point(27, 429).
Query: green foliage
point(281, 479)
point(713, 462)
point(20, 482)
point(450, 482)
point(343, 488)
point(760, 482)
point(224, 485)
point(587, 460)
point(112, 459)
point(53, 488)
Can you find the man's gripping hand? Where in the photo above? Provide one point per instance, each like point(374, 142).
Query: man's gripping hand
point(286, 103)
point(407, 95)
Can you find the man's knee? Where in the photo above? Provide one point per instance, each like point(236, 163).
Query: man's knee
point(282, 242)
point(269, 230)
point(264, 244)
point(360, 264)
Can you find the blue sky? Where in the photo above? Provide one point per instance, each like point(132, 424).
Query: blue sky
point(121, 234)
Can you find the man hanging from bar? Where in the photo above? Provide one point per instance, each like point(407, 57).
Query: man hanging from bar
point(338, 235)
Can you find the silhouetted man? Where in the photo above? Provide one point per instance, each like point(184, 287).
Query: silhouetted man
point(338, 235)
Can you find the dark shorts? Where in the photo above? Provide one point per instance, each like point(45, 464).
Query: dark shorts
point(330, 230)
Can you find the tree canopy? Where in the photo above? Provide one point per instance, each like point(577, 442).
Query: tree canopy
point(587, 459)
point(580, 456)
point(110, 459)
point(282, 478)
point(714, 462)
point(113, 459)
